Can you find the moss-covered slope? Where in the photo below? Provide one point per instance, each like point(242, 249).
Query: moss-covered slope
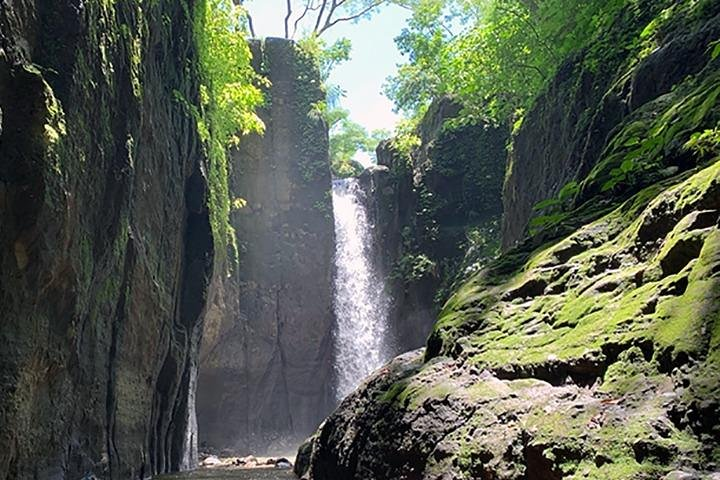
point(599, 359)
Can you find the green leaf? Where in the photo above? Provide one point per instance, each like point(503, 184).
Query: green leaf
point(550, 202)
point(609, 185)
point(632, 142)
point(627, 166)
point(569, 190)
point(716, 50)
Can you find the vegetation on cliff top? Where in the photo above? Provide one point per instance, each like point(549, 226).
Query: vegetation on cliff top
point(229, 95)
point(497, 56)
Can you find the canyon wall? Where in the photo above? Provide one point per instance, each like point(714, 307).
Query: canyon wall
point(568, 131)
point(266, 363)
point(436, 214)
point(591, 347)
point(105, 243)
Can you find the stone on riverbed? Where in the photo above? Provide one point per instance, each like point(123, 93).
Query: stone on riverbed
point(211, 461)
point(283, 463)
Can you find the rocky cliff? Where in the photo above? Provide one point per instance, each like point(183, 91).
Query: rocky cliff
point(266, 364)
point(436, 211)
point(571, 127)
point(591, 349)
point(105, 243)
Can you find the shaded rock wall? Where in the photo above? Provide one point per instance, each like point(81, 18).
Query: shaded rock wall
point(426, 208)
point(566, 133)
point(105, 243)
point(266, 367)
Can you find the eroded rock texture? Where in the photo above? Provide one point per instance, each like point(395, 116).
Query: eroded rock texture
point(427, 205)
point(266, 368)
point(105, 243)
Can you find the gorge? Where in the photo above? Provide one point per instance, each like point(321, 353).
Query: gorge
point(528, 297)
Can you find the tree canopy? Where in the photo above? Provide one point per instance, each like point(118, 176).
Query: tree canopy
point(346, 139)
point(315, 17)
point(495, 56)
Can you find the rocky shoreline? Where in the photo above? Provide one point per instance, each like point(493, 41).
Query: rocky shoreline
point(210, 461)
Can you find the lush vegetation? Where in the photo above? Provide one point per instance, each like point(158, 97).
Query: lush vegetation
point(493, 55)
point(347, 137)
point(229, 94)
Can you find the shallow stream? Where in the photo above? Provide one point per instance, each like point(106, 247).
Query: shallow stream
point(236, 474)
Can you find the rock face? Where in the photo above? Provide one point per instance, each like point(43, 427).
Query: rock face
point(565, 135)
point(105, 242)
point(266, 364)
point(592, 349)
point(427, 205)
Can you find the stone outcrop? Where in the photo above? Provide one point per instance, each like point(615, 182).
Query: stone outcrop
point(598, 358)
point(266, 363)
point(427, 205)
point(105, 241)
point(591, 348)
point(567, 133)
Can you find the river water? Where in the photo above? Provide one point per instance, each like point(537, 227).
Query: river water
point(361, 303)
point(222, 474)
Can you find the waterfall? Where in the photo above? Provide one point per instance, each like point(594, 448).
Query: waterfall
point(361, 303)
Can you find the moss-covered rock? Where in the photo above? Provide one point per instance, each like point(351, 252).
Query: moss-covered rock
point(594, 360)
point(590, 349)
point(618, 116)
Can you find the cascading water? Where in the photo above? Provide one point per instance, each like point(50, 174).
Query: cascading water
point(361, 303)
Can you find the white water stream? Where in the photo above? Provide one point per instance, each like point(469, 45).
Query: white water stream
point(361, 303)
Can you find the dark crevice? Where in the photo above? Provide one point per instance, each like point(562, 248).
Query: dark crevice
point(581, 372)
point(117, 325)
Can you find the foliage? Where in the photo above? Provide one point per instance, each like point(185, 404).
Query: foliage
point(412, 267)
point(326, 55)
point(495, 56)
point(346, 139)
point(229, 94)
point(406, 139)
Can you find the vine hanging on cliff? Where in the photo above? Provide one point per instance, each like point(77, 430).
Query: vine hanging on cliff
point(229, 95)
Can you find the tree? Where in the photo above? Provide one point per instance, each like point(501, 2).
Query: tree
point(347, 138)
point(318, 16)
point(495, 56)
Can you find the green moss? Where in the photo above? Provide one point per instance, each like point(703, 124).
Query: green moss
point(641, 148)
point(596, 303)
point(228, 98)
point(684, 318)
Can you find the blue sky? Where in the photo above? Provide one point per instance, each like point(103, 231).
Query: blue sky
point(374, 57)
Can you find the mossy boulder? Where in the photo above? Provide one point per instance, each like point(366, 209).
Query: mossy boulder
point(597, 358)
